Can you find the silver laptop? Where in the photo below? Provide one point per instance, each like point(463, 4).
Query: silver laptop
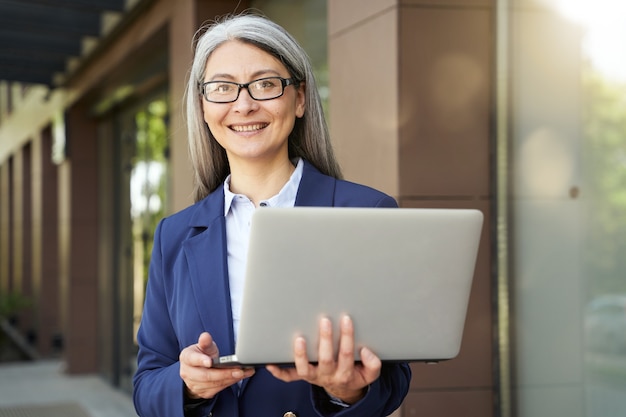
point(403, 275)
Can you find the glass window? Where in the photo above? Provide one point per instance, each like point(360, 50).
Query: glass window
point(568, 206)
point(148, 188)
point(139, 190)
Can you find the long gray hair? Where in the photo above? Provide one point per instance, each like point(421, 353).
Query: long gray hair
point(309, 139)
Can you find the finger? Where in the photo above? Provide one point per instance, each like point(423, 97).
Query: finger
point(237, 374)
point(209, 386)
point(214, 380)
point(326, 354)
point(207, 345)
point(371, 365)
point(223, 377)
point(284, 374)
point(303, 368)
point(345, 357)
point(192, 356)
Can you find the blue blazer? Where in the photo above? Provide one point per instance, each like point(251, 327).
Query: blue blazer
point(188, 293)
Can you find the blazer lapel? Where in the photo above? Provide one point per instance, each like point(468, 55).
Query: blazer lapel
point(316, 189)
point(207, 262)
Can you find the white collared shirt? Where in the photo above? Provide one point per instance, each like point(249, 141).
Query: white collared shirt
point(238, 210)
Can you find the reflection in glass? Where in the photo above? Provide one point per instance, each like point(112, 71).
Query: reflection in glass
point(148, 187)
point(568, 88)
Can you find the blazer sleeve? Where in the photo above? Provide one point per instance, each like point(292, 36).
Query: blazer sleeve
point(158, 387)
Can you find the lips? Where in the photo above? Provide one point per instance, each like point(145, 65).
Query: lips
point(249, 128)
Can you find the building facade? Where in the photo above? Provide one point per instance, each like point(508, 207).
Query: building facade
point(487, 104)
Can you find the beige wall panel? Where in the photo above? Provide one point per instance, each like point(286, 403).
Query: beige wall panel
point(36, 112)
point(343, 14)
point(63, 244)
point(36, 246)
point(17, 222)
point(5, 226)
point(448, 3)
point(186, 18)
point(182, 28)
point(445, 106)
point(469, 403)
point(363, 102)
point(473, 366)
point(534, 4)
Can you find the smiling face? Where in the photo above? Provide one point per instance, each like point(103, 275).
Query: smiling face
point(251, 130)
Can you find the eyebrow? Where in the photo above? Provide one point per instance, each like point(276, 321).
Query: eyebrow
point(254, 76)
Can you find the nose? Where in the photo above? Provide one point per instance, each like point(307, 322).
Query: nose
point(245, 102)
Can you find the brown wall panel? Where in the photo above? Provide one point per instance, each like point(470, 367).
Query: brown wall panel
point(44, 246)
point(473, 366)
point(445, 76)
point(26, 287)
point(463, 403)
point(81, 219)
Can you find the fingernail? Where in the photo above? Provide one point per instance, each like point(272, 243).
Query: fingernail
point(300, 345)
point(238, 373)
point(326, 324)
point(366, 353)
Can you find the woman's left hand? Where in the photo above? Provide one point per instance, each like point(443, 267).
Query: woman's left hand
point(341, 378)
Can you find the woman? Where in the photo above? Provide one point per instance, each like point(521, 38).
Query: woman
point(257, 138)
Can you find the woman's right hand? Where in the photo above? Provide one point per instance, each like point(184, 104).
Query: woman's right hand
point(201, 379)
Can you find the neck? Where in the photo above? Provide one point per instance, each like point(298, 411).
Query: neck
point(262, 181)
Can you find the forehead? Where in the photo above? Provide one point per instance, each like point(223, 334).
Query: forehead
point(240, 60)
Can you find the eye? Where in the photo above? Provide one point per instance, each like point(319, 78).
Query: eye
point(267, 83)
point(221, 87)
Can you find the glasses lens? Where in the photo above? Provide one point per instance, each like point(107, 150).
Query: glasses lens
point(266, 88)
point(221, 91)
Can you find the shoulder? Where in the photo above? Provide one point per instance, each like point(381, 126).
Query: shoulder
point(318, 189)
point(195, 218)
point(352, 194)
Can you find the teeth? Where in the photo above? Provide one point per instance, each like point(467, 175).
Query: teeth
point(248, 128)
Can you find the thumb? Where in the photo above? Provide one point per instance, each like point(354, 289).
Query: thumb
point(207, 345)
point(371, 365)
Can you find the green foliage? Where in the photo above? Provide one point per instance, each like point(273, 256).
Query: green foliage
point(604, 158)
point(152, 150)
point(12, 303)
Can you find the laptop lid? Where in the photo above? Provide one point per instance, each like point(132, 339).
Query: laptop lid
point(403, 275)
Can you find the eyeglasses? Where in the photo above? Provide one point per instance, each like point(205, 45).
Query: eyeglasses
point(262, 89)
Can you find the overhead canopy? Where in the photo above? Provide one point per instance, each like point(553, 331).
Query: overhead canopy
point(41, 41)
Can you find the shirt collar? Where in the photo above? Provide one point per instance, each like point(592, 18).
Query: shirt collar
point(286, 197)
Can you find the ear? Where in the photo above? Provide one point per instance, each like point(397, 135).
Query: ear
point(301, 99)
